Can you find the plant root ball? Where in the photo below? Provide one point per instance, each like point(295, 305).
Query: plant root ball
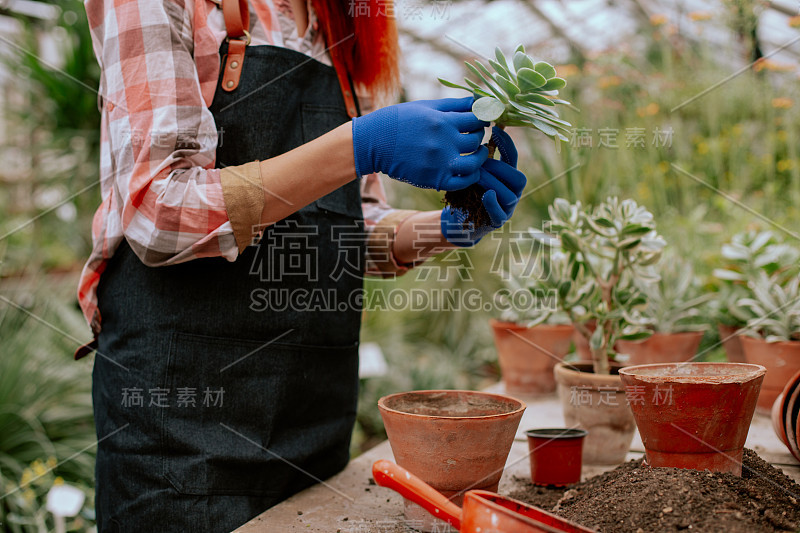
point(469, 201)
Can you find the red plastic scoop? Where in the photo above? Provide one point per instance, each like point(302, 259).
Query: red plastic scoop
point(484, 512)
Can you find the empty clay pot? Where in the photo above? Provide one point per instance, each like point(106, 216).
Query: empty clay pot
point(556, 455)
point(661, 348)
point(729, 336)
point(597, 404)
point(694, 415)
point(782, 361)
point(527, 355)
point(453, 440)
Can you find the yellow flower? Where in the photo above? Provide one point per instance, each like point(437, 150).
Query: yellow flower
point(782, 135)
point(794, 21)
point(736, 130)
point(27, 475)
point(658, 20)
point(663, 166)
point(58, 481)
point(51, 462)
point(784, 164)
point(782, 103)
point(608, 81)
point(768, 64)
point(699, 16)
point(702, 148)
point(29, 495)
point(567, 70)
point(649, 110)
point(38, 468)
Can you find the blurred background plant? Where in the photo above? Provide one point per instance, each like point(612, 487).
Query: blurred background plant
point(652, 122)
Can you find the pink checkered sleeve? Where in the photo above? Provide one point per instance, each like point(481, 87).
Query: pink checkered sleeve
point(161, 137)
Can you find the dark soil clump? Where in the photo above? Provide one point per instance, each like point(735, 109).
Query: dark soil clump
point(470, 201)
point(640, 499)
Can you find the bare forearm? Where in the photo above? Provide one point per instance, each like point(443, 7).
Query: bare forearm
point(293, 180)
point(420, 237)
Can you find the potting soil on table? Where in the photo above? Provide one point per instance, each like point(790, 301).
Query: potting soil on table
point(640, 499)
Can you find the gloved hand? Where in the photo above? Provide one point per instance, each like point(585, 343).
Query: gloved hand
point(421, 143)
point(503, 184)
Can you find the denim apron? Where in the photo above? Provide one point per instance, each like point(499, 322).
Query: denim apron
point(225, 387)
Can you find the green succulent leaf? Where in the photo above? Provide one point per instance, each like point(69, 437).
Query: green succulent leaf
point(545, 69)
point(536, 98)
point(502, 71)
point(510, 88)
point(490, 84)
point(477, 88)
point(488, 109)
point(520, 48)
point(522, 60)
point(529, 79)
point(453, 85)
point(554, 84)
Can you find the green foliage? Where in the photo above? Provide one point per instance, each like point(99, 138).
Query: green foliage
point(610, 250)
point(518, 93)
point(774, 308)
point(675, 302)
point(45, 405)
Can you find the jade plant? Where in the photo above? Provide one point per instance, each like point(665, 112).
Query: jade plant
point(610, 251)
point(542, 278)
point(520, 92)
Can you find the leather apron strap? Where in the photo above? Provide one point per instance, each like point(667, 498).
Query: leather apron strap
point(237, 22)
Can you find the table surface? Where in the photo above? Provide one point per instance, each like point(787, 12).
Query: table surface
point(350, 503)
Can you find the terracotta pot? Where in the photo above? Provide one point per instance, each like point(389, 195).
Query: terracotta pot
point(791, 419)
point(729, 336)
point(782, 361)
point(661, 348)
point(527, 355)
point(555, 455)
point(694, 415)
point(454, 440)
point(597, 404)
point(780, 409)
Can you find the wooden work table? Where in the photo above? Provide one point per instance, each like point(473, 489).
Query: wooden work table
point(350, 503)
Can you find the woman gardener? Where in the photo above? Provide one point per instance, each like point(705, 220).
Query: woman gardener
point(236, 161)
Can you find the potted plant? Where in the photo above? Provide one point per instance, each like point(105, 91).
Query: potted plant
point(747, 255)
point(515, 92)
point(771, 337)
point(608, 248)
point(673, 311)
point(531, 335)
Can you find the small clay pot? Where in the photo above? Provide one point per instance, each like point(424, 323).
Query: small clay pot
point(661, 348)
point(729, 336)
point(556, 455)
point(694, 415)
point(527, 355)
point(782, 361)
point(454, 440)
point(597, 404)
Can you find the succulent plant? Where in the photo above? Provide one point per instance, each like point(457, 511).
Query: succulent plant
point(516, 93)
point(674, 301)
point(749, 255)
point(609, 252)
point(774, 308)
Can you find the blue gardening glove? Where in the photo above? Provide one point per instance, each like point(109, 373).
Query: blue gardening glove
point(503, 184)
point(421, 143)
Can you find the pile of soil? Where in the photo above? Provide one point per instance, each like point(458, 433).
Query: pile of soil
point(641, 499)
point(470, 202)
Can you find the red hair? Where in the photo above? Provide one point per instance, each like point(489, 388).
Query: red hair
point(362, 37)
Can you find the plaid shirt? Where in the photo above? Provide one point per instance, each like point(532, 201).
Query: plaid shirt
point(160, 190)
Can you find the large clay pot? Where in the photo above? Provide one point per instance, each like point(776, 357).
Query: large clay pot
point(453, 440)
point(597, 404)
point(527, 355)
point(661, 348)
point(729, 336)
point(782, 361)
point(694, 415)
